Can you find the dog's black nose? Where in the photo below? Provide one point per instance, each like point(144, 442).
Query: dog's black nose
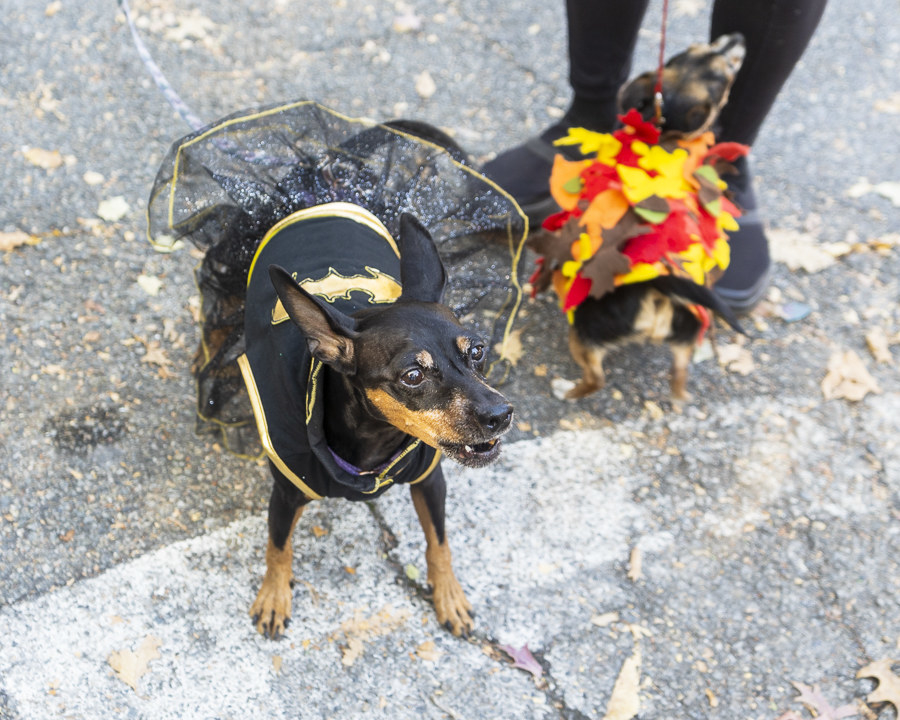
point(496, 417)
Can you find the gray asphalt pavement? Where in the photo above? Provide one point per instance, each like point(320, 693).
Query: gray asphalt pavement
point(695, 562)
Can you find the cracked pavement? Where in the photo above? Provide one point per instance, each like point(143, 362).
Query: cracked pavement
point(765, 517)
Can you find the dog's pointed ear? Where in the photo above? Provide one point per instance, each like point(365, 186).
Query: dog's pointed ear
point(422, 273)
point(329, 333)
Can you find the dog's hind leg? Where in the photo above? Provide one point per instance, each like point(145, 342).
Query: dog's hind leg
point(450, 601)
point(590, 359)
point(271, 611)
point(681, 361)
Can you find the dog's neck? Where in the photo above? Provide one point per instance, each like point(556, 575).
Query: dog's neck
point(354, 430)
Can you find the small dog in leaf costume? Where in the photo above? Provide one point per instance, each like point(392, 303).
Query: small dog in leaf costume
point(641, 237)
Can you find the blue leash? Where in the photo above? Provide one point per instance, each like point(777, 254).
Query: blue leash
point(158, 77)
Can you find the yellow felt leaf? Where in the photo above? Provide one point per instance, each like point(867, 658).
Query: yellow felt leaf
point(639, 273)
point(131, 666)
point(604, 144)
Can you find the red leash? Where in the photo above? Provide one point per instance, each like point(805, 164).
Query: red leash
point(657, 90)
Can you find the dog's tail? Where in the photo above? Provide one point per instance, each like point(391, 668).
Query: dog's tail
point(696, 294)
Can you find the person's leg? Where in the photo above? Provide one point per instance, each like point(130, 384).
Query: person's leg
point(776, 32)
point(602, 36)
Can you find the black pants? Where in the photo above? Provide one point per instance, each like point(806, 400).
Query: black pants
point(602, 36)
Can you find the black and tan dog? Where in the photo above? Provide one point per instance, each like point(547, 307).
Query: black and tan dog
point(359, 382)
point(695, 86)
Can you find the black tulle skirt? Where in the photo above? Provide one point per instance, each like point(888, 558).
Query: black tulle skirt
point(224, 186)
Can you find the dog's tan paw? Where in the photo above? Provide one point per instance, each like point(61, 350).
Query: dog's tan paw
point(582, 389)
point(271, 611)
point(452, 607)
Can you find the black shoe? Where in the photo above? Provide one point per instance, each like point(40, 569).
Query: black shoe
point(746, 279)
point(524, 172)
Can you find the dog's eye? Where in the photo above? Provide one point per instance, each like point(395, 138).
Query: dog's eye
point(476, 354)
point(413, 377)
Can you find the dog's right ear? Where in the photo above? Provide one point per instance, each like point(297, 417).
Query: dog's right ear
point(422, 273)
point(329, 333)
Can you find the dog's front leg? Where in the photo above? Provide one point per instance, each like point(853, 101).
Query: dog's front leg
point(450, 601)
point(271, 611)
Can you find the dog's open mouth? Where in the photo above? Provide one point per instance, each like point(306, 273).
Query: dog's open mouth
point(474, 455)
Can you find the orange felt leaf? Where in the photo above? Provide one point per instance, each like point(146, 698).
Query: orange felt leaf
point(604, 212)
point(563, 171)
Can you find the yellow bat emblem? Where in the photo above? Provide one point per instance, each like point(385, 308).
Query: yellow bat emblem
point(380, 287)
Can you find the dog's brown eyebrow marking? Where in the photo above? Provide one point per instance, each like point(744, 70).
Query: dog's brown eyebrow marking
point(463, 343)
point(424, 358)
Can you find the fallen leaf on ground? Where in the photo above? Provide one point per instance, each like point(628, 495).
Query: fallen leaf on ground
point(155, 355)
point(319, 531)
point(878, 343)
point(276, 663)
point(359, 630)
point(511, 349)
point(428, 651)
point(635, 565)
point(149, 284)
point(46, 159)
point(813, 698)
point(604, 619)
point(736, 358)
point(524, 660)
point(888, 690)
point(624, 702)
point(131, 666)
point(12, 240)
point(425, 85)
point(113, 209)
point(889, 190)
point(799, 250)
point(848, 378)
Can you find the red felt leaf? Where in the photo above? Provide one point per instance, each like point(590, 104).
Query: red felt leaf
point(640, 129)
point(556, 220)
point(597, 178)
point(581, 286)
point(729, 151)
point(524, 660)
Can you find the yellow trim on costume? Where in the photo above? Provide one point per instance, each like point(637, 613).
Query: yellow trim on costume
point(434, 463)
point(315, 366)
point(344, 210)
point(263, 428)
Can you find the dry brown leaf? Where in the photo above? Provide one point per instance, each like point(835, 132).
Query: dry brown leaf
point(12, 240)
point(819, 706)
point(359, 630)
point(888, 690)
point(46, 159)
point(877, 340)
point(425, 85)
point(624, 702)
point(132, 666)
point(635, 565)
point(319, 531)
point(736, 358)
point(511, 349)
point(155, 355)
point(428, 651)
point(848, 378)
point(798, 250)
point(276, 663)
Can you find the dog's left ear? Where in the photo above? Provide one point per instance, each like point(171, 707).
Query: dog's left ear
point(422, 273)
point(329, 333)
